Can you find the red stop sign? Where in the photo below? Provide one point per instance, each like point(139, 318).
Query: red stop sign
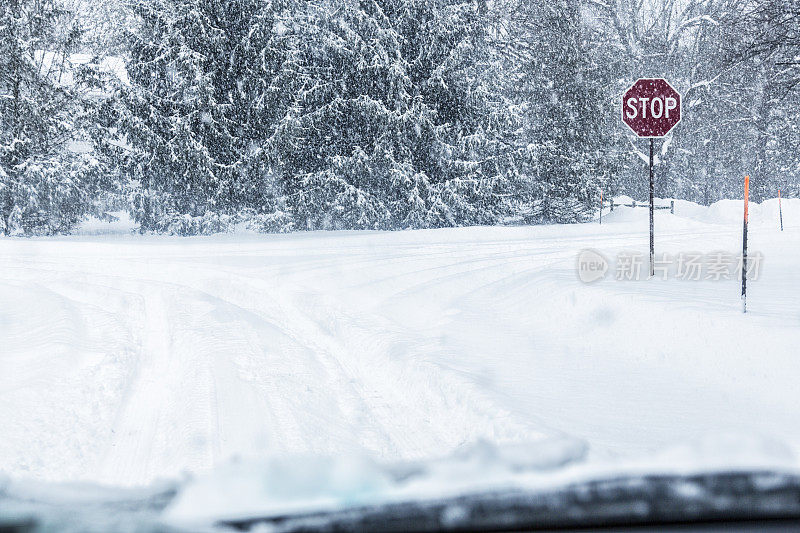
point(651, 107)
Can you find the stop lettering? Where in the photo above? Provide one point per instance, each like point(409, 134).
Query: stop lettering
point(658, 106)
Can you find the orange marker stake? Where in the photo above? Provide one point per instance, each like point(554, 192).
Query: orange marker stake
point(744, 244)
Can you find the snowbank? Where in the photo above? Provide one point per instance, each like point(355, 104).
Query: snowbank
point(723, 212)
point(122, 224)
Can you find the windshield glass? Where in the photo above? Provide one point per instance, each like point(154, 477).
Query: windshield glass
point(286, 258)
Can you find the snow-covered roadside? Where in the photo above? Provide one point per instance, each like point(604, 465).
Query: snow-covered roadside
point(129, 358)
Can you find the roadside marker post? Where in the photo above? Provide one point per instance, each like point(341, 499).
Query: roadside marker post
point(744, 244)
point(601, 207)
point(780, 211)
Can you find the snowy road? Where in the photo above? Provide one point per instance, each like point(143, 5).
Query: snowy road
point(126, 358)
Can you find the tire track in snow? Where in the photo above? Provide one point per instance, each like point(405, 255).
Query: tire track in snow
point(207, 388)
point(419, 417)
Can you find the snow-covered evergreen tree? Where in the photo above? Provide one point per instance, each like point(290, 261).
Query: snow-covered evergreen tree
point(566, 146)
point(205, 87)
point(378, 114)
point(393, 125)
point(48, 177)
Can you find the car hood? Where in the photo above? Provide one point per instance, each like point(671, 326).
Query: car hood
point(553, 483)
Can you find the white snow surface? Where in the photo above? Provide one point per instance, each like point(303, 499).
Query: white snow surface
point(127, 358)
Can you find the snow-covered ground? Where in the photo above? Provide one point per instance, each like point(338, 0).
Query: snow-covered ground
point(125, 358)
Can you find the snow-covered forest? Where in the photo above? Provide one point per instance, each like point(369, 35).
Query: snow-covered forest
point(199, 115)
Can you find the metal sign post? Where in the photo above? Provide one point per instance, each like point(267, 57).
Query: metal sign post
point(651, 108)
point(652, 211)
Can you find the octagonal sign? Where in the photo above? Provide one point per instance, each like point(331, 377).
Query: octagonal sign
point(651, 107)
